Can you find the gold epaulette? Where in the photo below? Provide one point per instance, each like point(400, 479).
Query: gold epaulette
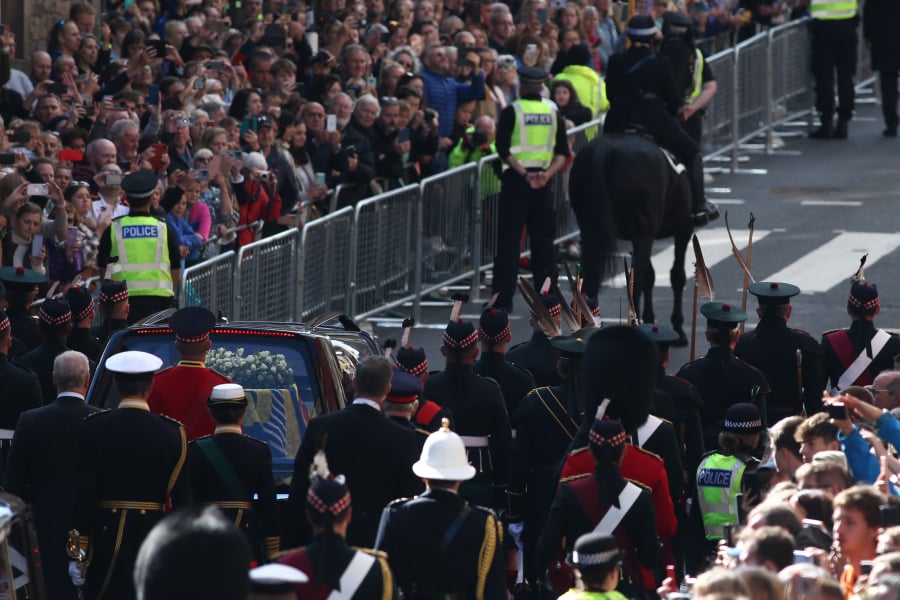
point(573, 478)
point(578, 450)
point(372, 551)
point(387, 579)
point(643, 486)
point(645, 451)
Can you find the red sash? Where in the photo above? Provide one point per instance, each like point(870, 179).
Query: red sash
point(427, 412)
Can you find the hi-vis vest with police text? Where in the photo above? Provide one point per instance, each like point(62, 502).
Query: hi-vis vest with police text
point(140, 244)
point(534, 133)
point(718, 484)
point(833, 10)
point(698, 77)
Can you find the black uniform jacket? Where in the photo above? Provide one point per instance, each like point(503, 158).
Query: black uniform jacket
point(772, 348)
point(438, 545)
point(539, 358)
point(40, 361)
point(514, 381)
point(372, 452)
point(128, 455)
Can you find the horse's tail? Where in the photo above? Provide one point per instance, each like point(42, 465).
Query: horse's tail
point(592, 204)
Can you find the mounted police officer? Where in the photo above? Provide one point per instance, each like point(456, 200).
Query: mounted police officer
point(641, 87)
point(721, 473)
point(438, 544)
point(140, 249)
point(790, 359)
point(531, 141)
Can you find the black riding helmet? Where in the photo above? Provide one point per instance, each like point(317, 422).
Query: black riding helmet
point(641, 28)
point(677, 25)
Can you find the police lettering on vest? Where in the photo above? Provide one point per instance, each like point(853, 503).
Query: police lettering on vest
point(531, 119)
point(139, 231)
point(714, 478)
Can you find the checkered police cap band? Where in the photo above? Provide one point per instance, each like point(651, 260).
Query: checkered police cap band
point(413, 369)
point(192, 339)
point(754, 424)
point(320, 505)
point(49, 319)
point(462, 344)
point(594, 558)
point(599, 440)
point(117, 297)
point(4, 323)
point(863, 305)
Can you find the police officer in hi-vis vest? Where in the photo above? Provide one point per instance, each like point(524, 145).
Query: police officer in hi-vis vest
point(531, 141)
point(721, 475)
point(139, 249)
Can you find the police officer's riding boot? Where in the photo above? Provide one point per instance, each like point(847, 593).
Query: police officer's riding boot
point(703, 211)
point(840, 130)
point(825, 130)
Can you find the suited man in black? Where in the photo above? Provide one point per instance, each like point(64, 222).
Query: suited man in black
point(21, 390)
point(43, 464)
point(229, 468)
point(54, 326)
point(374, 453)
point(132, 465)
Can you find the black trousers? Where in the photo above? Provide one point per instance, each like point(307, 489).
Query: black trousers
point(521, 207)
point(888, 79)
point(144, 306)
point(834, 45)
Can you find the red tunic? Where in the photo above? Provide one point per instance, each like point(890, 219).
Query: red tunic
point(180, 392)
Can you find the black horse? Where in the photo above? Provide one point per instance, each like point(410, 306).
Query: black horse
point(623, 187)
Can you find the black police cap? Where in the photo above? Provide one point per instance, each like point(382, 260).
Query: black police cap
point(773, 292)
point(722, 316)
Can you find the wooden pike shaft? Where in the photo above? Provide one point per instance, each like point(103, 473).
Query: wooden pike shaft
point(694, 322)
point(749, 262)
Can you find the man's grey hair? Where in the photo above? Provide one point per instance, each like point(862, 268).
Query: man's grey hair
point(487, 120)
point(498, 9)
point(121, 127)
point(364, 100)
point(347, 50)
point(69, 370)
point(329, 107)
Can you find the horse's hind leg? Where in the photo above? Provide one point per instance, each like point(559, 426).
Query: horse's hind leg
point(678, 277)
point(644, 279)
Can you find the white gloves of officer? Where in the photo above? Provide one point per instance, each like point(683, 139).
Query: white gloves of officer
point(75, 573)
point(515, 530)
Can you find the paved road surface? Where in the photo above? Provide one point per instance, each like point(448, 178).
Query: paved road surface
point(819, 206)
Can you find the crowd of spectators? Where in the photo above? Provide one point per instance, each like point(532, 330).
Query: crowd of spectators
point(267, 113)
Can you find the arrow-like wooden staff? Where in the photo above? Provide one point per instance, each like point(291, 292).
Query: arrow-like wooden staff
point(747, 272)
point(703, 286)
point(748, 277)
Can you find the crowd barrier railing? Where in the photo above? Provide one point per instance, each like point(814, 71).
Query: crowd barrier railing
point(210, 284)
point(399, 246)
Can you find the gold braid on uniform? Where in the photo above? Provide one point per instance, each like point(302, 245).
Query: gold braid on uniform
point(387, 579)
point(178, 466)
point(120, 532)
point(273, 544)
point(486, 555)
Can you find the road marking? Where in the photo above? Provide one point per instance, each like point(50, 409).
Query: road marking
point(831, 203)
point(716, 248)
point(835, 261)
point(727, 200)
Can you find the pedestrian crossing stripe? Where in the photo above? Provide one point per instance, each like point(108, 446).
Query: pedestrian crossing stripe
point(816, 272)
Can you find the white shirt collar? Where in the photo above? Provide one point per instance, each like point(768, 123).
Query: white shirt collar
point(72, 394)
point(367, 402)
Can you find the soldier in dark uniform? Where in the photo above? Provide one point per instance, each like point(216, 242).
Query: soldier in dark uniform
point(537, 355)
point(722, 379)
point(234, 472)
point(181, 391)
point(429, 415)
point(20, 390)
point(439, 545)
point(402, 401)
point(479, 412)
point(43, 466)
point(545, 422)
point(676, 400)
point(329, 559)
point(796, 381)
point(132, 466)
point(581, 505)
point(374, 454)
point(21, 290)
point(641, 89)
point(875, 348)
point(113, 307)
point(81, 339)
point(514, 381)
point(54, 326)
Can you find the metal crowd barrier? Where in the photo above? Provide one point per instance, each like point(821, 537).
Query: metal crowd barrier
point(265, 279)
point(397, 247)
point(324, 266)
point(210, 284)
point(384, 240)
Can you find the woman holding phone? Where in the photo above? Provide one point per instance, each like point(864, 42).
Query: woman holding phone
point(78, 196)
point(23, 245)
